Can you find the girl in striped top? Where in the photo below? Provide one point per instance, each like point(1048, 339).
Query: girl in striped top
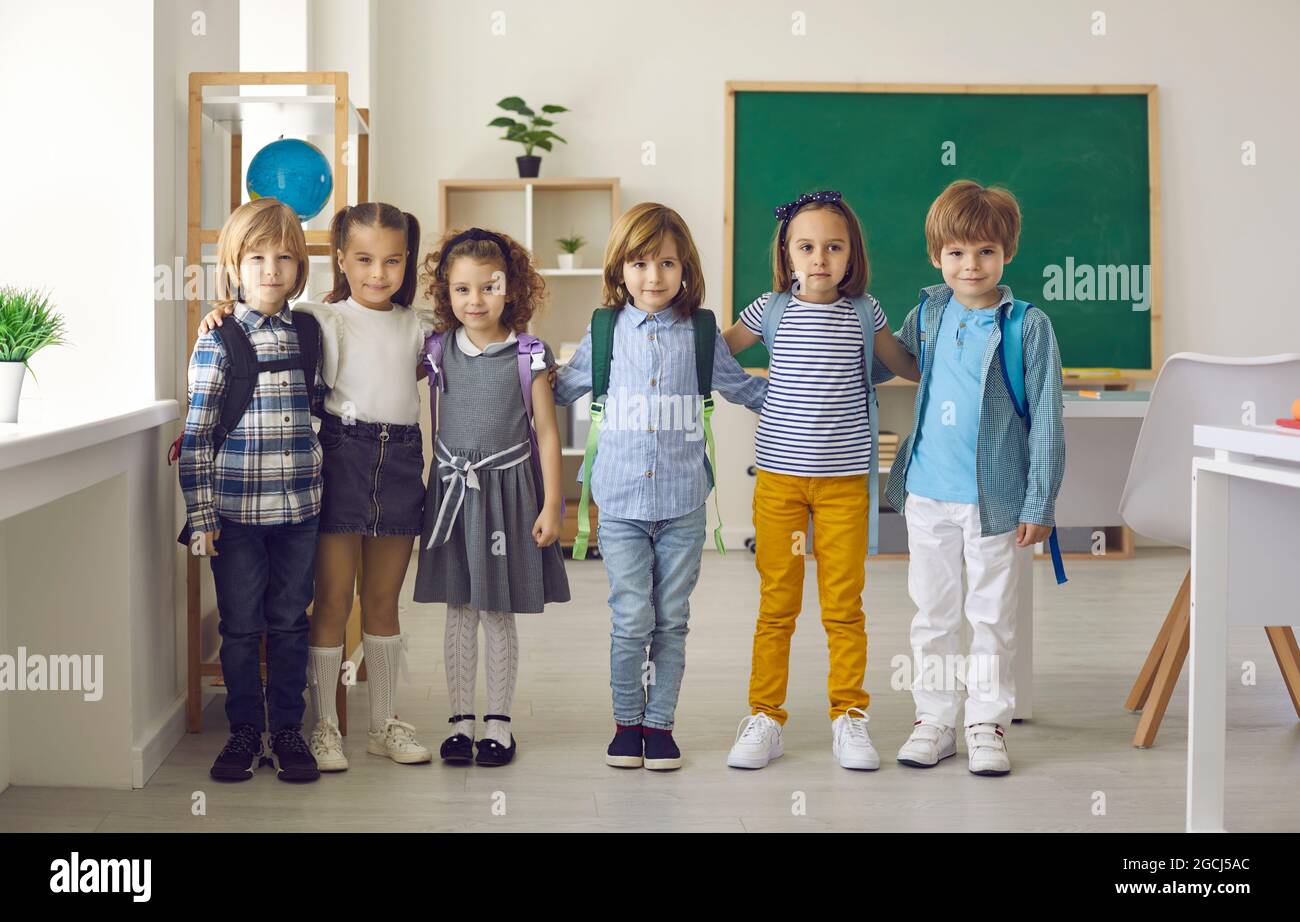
point(813, 453)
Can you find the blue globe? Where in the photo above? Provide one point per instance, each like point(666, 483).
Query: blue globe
point(294, 172)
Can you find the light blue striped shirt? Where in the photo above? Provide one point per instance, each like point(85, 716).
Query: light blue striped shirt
point(650, 462)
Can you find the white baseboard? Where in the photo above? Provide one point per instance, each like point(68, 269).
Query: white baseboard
point(157, 741)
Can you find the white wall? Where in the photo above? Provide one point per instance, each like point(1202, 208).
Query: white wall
point(630, 73)
point(76, 82)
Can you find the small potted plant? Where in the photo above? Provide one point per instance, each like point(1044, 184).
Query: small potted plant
point(569, 247)
point(531, 134)
point(28, 323)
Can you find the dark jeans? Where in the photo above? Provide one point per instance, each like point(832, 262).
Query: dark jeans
point(264, 577)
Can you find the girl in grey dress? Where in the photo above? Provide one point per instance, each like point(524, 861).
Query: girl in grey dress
point(488, 546)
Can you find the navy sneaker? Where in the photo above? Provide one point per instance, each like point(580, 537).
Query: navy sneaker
point(625, 750)
point(291, 757)
point(661, 752)
point(240, 757)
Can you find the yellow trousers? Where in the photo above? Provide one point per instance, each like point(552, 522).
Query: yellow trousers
point(782, 504)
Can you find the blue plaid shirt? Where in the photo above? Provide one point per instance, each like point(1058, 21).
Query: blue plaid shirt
point(1018, 468)
point(650, 465)
point(268, 470)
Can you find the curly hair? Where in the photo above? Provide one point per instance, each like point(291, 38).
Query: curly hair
point(525, 288)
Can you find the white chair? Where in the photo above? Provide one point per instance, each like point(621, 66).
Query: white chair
point(1194, 389)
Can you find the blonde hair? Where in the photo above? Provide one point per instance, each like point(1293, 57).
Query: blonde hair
point(261, 222)
point(967, 212)
point(855, 281)
point(639, 233)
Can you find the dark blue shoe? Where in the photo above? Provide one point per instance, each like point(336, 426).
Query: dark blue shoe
point(241, 756)
point(458, 749)
point(625, 749)
point(661, 752)
point(292, 757)
point(492, 753)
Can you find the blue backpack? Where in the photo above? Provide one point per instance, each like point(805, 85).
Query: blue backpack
point(772, 312)
point(1011, 326)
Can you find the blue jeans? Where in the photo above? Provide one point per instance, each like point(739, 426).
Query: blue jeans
point(652, 569)
point(263, 575)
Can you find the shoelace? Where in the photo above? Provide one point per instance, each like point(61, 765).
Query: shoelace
point(290, 741)
point(856, 727)
point(400, 732)
point(754, 729)
point(243, 741)
point(327, 736)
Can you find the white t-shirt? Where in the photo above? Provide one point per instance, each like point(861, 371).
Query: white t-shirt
point(368, 361)
point(814, 422)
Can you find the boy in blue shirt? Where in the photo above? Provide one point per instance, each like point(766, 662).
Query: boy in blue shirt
point(976, 481)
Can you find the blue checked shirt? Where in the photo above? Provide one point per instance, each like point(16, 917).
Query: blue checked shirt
point(650, 463)
point(268, 470)
point(1018, 468)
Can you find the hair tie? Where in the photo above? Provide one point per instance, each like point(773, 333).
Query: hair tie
point(787, 211)
point(474, 233)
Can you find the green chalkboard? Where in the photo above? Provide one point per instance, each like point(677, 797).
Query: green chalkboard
point(1077, 162)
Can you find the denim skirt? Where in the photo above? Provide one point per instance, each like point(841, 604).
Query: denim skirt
point(373, 478)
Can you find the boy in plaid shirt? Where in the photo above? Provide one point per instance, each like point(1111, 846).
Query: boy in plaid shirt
point(252, 493)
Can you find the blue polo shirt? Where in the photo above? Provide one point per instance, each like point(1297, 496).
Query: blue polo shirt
point(943, 454)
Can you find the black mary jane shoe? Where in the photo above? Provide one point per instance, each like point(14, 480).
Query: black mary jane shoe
point(492, 753)
point(458, 749)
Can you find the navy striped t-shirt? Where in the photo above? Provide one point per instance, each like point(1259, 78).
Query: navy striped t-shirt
point(814, 422)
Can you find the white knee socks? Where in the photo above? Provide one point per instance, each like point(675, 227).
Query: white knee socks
point(384, 659)
point(323, 664)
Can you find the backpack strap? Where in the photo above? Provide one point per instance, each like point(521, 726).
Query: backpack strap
point(866, 318)
point(772, 311)
point(602, 352)
point(706, 335)
point(531, 353)
point(308, 330)
point(920, 328)
point(433, 347)
point(240, 383)
point(1012, 327)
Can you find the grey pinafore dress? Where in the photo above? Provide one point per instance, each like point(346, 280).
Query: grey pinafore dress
point(489, 559)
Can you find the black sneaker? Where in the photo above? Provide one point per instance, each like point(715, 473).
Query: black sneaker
point(625, 749)
point(291, 757)
point(240, 757)
point(661, 752)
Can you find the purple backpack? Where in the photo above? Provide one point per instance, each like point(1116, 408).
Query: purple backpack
point(531, 352)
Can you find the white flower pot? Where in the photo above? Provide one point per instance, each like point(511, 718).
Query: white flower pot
point(568, 260)
point(11, 385)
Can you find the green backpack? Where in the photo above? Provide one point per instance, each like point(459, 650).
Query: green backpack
point(602, 352)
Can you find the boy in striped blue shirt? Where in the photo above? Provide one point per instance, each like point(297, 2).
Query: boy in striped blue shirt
point(976, 481)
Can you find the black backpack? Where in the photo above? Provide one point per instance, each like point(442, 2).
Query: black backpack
point(242, 380)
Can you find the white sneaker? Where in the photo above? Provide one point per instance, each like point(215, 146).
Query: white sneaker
point(929, 744)
point(327, 747)
point(758, 741)
point(986, 745)
point(397, 741)
point(850, 743)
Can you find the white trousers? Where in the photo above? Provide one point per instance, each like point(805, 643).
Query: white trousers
point(941, 537)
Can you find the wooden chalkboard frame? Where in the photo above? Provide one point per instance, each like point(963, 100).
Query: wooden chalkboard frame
point(732, 87)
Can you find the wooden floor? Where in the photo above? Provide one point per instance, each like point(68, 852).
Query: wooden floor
point(1091, 637)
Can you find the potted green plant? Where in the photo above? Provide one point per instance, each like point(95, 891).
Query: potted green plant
point(531, 134)
point(28, 323)
point(569, 247)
